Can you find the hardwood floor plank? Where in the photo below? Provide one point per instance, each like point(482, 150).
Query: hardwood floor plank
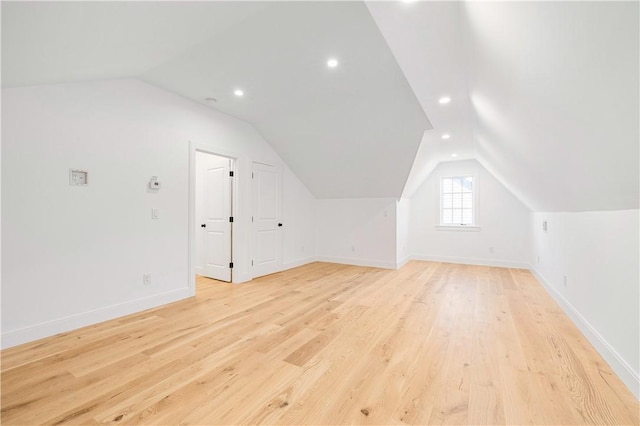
point(271, 413)
point(431, 343)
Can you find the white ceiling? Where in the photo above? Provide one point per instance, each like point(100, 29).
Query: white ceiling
point(554, 87)
point(544, 94)
point(426, 40)
point(347, 132)
point(55, 42)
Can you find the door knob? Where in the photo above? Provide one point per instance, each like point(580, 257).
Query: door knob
point(204, 225)
point(279, 224)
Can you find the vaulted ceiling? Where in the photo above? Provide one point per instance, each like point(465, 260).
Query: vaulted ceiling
point(348, 131)
point(543, 94)
point(546, 94)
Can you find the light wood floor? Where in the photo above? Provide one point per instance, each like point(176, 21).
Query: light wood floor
point(431, 343)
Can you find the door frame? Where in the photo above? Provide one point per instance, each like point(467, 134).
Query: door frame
point(238, 166)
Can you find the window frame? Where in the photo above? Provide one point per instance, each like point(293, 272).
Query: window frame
point(474, 226)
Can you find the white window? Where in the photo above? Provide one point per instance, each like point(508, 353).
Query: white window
point(457, 201)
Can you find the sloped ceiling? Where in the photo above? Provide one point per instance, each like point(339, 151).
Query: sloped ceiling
point(544, 94)
point(57, 42)
point(554, 86)
point(427, 41)
point(348, 132)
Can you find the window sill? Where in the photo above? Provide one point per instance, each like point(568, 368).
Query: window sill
point(464, 228)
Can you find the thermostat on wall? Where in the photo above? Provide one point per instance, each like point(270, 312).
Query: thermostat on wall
point(154, 183)
point(77, 177)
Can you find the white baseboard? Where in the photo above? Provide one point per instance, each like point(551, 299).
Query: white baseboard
point(73, 322)
point(629, 377)
point(473, 261)
point(284, 267)
point(358, 262)
point(445, 259)
point(298, 262)
point(402, 262)
point(240, 277)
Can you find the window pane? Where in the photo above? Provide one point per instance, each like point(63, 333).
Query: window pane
point(447, 201)
point(467, 216)
point(446, 185)
point(457, 217)
point(457, 201)
point(467, 200)
point(447, 216)
point(457, 185)
point(467, 184)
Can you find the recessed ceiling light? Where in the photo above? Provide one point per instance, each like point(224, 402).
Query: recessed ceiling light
point(332, 63)
point(446, 136)
point(454, 155)
point(444, 100)
point(238, 92)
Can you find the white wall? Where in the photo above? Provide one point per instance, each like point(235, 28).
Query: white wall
point(76, 255)
point(598, 253)
point(358, 231)
point(403, 231)
point(502, 218)
point(299, 222)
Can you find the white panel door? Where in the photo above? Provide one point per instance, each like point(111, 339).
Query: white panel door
point(267, 247)
point(214, 225)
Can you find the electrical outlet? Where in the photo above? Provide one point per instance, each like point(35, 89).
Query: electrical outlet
point(544, 226)
point(146, 279)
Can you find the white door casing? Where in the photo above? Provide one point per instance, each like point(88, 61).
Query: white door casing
point(267, 213)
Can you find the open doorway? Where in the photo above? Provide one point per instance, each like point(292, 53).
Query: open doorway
point(213, 221)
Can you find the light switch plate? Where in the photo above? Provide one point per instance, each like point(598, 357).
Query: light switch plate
point(77, 177)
